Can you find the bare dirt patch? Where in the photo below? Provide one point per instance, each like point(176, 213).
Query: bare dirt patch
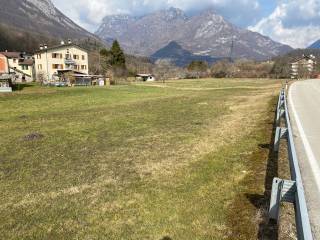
point(33, 137)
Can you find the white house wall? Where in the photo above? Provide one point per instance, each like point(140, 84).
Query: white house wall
point(44, 61)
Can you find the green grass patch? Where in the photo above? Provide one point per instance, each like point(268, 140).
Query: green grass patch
point(132, 162)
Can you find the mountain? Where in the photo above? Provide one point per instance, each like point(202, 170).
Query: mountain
point(179, 56)
point(32, 20)
point(315, 45)
point(204, 34)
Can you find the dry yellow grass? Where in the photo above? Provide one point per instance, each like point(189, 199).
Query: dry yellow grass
point(134, 162)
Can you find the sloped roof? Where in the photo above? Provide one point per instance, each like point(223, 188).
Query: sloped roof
point(60, 46)
point(11, 54)
point(28, 62)
point(298, 59)
point(144, 75)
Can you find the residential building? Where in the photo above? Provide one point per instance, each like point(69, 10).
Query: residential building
point(303, 67)
point(21, 65)
point(52, 62)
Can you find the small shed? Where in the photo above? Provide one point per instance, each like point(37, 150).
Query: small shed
point(5, 83)
point(145, 77)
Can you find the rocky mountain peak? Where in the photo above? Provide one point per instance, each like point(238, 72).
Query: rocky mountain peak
point(206, 33)
point(45, 6)
point(40, 18)
point(117, 18)
point(173, 13)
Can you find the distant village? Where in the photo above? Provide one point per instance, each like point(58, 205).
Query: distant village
point(67, 64)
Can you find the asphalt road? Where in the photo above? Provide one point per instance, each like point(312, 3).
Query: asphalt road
point(304, 107)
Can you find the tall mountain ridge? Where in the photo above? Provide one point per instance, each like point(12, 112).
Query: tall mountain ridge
point(24, 21)
point(315, 45)
point(203, 34)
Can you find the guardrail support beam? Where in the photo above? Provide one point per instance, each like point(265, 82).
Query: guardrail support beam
point(285, 190)
point(280, 114)
point(281, 133)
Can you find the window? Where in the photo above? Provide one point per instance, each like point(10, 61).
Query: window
point(68, 56)
point(14, 60)
point(56, 55)
point(39, 66)
point(83, 57)
point(25, 67)
point(76, 57)
point(38, 56)
point(57, 66)
point(83, 67)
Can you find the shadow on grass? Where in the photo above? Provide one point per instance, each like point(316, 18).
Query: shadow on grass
point(267, 229)
point(21, 86)
point(166, 238)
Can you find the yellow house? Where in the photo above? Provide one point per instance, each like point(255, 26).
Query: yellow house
point(21, 65)
point(52, 61)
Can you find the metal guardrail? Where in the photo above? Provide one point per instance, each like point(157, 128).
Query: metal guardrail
point(291, 191)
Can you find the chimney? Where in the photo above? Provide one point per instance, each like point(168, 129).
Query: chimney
point(62, 42)
point(69, 41)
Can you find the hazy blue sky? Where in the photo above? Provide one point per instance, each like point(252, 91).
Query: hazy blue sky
point(294, 22)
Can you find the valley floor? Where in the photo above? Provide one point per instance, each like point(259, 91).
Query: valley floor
point(181, 160)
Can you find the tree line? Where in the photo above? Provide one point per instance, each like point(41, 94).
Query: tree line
point(119, 66)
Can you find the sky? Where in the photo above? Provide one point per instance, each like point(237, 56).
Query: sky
point(292, 22)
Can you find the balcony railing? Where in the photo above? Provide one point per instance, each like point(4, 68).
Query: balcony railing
point(69, 61)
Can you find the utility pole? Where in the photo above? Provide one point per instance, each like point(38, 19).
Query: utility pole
point(231, 48)
point(47, 63)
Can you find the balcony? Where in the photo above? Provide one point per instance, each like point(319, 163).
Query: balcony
point(69, 61)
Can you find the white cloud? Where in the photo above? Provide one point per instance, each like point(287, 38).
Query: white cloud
point(296, 23)
point(89, 13)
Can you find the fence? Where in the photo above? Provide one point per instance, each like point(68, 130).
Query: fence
point(289, 190)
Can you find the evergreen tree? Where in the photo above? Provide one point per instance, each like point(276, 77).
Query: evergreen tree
point(113, 61)
point(114, 57)
point(118, 58)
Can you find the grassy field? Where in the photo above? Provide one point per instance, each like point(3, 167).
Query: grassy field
point(181, 160)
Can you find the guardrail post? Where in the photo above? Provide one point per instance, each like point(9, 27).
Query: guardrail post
point(282, 191)
point(275, 201)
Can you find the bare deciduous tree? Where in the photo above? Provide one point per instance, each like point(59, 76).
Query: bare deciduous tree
point(41, 77)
